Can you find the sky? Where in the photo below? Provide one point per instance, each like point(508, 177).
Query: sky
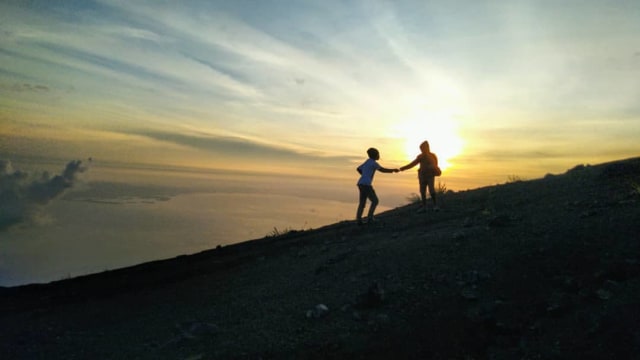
point(499, 88)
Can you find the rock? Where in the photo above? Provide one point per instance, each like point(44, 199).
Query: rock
point(499, 221)
point(318, 311)
point(482, 312)
point(558, 303)
point(469, 293)
point(196, 357)
point(194, 329)
point(372, 298)
point(588, 213)
point(383, 318)
point(603, 294)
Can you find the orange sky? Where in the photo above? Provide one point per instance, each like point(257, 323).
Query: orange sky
point(498, 89)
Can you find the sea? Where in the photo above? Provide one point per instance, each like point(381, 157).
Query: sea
point(117, 216)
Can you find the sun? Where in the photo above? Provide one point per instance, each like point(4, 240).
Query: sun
point(440, 128)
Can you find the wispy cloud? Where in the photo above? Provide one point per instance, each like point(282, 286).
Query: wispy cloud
point(303, 74)
point(25, 87)
point(243, 148)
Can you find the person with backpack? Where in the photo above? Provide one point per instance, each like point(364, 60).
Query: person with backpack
point(426, 175)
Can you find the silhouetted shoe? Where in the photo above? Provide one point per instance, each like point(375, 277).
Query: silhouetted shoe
point(436, 208)
point(421, 210)
point(372, 221)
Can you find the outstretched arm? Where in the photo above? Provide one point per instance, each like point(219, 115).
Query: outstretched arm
point(385, 170)
point(411, 164)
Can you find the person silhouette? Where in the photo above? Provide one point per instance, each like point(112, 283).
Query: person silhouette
point(426, 175)
point(365, 184)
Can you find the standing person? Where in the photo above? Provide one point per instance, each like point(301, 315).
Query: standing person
point(426, 174)
point(367, 169)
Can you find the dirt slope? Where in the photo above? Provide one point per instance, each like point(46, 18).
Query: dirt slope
point(541, 269)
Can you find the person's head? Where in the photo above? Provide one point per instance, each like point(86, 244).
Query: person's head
point(424, 147)
point(373, 153)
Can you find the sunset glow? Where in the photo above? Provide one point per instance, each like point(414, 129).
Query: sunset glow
point(496, 88)
point(439, 127)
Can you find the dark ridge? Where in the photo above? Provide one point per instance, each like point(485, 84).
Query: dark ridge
point(541, 269)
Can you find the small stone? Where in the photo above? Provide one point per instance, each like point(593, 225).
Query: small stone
point(373, 297)
point(459, 235)
point(588, 213)
point(196, 357)
point(469, 294)
point(318, 311)
point(603, 294)
point(195, 329)
point(499, 221)
point(383, 318)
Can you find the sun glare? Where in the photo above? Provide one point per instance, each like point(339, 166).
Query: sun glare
point(437, 127)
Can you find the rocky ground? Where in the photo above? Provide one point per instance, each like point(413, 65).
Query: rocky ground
point(539, 269)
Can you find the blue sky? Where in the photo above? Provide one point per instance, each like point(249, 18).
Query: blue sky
point(497, 87)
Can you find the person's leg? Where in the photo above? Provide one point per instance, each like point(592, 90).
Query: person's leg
point(423, 190)
point(361, 202)
point(432, 190)
point(374, 202)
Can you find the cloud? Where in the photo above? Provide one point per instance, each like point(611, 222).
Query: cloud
point(25, 87)
point(22, 197)
point(236, 147)
point(331, 69)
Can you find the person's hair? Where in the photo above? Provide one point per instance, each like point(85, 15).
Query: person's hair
point(425, 146)
point(372, 152)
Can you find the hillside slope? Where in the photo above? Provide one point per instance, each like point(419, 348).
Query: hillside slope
point(540, 269)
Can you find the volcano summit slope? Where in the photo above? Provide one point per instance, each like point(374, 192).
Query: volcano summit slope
point(539, 269)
